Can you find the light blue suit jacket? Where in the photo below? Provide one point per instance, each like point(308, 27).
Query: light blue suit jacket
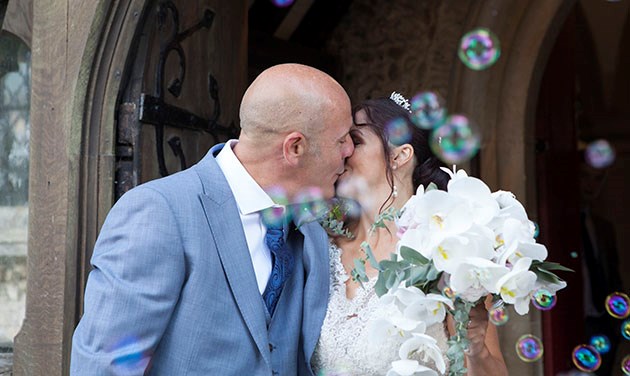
point(173, 289)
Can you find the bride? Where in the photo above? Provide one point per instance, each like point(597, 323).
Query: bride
point(382, 175)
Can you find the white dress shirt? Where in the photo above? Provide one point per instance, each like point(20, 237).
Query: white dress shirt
point(251, 199)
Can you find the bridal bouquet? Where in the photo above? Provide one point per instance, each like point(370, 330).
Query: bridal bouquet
point(455, 248)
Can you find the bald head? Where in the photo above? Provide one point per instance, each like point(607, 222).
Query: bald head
point(290, 97)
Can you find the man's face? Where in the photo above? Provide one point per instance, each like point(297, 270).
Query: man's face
point(334, 145)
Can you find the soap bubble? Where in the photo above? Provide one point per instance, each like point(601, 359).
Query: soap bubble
point(618, 305)
point(529, 348)
point(479, 49)
point(276, 215)
point(130, 358)
point(309, 203)
point(544, 300)
point(455, 141)
point(625, 329)
point(398, 131)
point(625, 365)
point(427, 110)
point(498, 316)
point(601, 343)
point(599, 154)
point(586, 358)
point(282, 3)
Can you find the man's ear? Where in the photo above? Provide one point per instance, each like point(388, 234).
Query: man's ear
point(294, 147)
point(401, 155)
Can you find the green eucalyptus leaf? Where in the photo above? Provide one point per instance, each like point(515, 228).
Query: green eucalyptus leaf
point(390, 265)
point(390, 281)
point(367, 248)
point(432, 186)
point(433, 273)
point(413, 256)
point(379, 286)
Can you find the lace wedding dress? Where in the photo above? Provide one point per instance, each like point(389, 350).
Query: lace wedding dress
point(344, 346)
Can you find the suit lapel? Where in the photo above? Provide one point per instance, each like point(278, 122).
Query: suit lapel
point(316, 287)
point(225, 224)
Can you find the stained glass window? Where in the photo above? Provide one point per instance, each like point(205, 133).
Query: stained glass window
point(15, 92)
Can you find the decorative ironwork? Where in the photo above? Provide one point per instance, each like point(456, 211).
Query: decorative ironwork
point(154, 110)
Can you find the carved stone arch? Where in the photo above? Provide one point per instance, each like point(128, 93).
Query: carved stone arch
point(503, 99)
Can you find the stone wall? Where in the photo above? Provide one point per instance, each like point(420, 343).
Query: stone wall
point(406, 46)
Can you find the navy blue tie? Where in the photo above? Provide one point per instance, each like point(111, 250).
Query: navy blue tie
point(282, 266)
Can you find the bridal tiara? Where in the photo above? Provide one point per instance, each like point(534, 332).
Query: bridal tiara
point(400, 100)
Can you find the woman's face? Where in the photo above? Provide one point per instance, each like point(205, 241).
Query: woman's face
point(365, 175)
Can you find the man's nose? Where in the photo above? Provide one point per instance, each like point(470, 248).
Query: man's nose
point(350, 149)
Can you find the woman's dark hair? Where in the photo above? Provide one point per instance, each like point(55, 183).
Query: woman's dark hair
point(382, 111)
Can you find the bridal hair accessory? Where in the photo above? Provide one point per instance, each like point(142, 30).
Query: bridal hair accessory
point(400, 100)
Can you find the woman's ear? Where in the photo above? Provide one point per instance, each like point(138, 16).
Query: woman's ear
point(294, 147)
point(401, 155)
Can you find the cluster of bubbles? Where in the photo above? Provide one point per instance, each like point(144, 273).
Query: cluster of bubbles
point(586, 358)
point(282, 3)
point(479, 49)
point(599, 154)
point(544, 300)
point(454, 139)
point(529, 348)
point(309, 204)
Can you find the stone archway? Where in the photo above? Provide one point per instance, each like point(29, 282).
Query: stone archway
point(82, 54)
point(507, 110)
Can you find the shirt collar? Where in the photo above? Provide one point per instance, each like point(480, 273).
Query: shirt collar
point(249, 196)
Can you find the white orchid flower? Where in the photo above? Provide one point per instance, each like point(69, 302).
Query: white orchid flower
point(400, 299)
point(475, 277)
point(516, 286)
point(419, 239)
point(448, 254)
point(534, 251)
point(431, 309)
point(484, 207)
point(443, 214)
point(551, 287)
point(418, 344)
point(509, 205)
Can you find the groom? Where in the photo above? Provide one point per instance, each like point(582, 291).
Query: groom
point(181, 270)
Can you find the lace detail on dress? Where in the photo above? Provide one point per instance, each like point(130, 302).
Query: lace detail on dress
point(344, 345)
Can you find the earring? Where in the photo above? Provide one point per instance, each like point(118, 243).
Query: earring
point(394, 166)
point(395, 192)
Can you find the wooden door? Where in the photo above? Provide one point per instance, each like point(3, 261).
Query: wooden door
point(557, 178)
point(183, 89)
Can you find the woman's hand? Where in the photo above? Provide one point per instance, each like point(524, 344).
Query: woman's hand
point(477, 329)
